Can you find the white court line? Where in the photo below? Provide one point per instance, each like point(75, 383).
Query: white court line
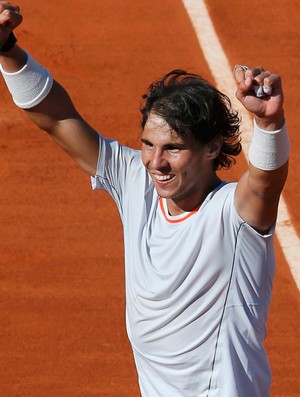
point(222, 73)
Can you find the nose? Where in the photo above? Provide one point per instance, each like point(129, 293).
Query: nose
point(158, 160)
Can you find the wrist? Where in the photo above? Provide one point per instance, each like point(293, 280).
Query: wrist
point(273, 123)
point(28, 85)
point(9, 43)
point(269, 150)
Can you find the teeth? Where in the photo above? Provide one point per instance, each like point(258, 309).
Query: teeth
point(163, 177)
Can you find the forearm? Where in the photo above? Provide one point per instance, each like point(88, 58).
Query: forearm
point(49, 106)
point(56, 108)
point(267, 185)
point(260, 187)
point(33, 89)
point(45, 101)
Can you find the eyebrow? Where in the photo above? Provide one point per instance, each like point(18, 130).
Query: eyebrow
point(144, 140)
point(167, 145)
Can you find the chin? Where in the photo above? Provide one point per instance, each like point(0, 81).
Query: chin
point(165, 195)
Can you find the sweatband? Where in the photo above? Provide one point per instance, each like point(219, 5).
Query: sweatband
point(29, 85)
point(269, 150)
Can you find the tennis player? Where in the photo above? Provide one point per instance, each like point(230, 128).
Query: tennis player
point(199, 252)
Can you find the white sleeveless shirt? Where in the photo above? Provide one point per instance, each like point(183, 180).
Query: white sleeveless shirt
point(198, 287)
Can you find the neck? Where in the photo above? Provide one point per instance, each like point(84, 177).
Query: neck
point(181, 205)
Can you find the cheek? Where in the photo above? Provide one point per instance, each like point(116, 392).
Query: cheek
point(145, 158)
point(184, 164)
point(192, 170)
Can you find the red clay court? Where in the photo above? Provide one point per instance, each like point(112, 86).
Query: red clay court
point(61, 251)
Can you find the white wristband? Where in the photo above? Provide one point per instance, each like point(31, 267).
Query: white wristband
point(269, 150)
point(29, 85)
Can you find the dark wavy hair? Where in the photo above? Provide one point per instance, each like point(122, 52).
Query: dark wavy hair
point(193, 106)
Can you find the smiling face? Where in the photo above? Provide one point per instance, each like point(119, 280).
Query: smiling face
point(181, 168)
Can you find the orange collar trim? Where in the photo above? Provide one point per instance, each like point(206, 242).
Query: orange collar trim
point(178, 220)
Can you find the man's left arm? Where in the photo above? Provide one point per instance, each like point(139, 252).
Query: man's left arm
point(258, 191)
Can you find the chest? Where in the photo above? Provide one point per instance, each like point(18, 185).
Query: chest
point(181, 256)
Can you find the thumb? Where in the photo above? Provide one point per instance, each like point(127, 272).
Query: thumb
point(244, 86)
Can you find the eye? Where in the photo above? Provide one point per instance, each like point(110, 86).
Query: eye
point(173, 148)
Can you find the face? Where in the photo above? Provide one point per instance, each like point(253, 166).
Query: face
point(181, 169)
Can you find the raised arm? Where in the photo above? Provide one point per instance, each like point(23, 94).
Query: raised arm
point(258, 192)
point(45, 101)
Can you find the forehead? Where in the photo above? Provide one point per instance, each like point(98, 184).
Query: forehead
point(157, 128)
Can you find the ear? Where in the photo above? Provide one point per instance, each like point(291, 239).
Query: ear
point(214, 147)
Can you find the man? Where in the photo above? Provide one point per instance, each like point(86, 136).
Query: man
point(199, 254)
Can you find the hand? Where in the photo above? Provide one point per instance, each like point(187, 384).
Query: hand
point(268, 109)
point(10, 18)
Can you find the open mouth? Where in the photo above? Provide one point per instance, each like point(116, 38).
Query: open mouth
point(163, 178)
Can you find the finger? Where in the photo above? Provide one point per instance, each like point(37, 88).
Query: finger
point(271, 84)
point(243, 84)
point(5, 5)
point(8, 9)
point(267, 90)
point(255, 71)
point(260, 84)
point(239, 73)
point(258, 91)
point(260, 77)
point(10, 17)
point(257, 79)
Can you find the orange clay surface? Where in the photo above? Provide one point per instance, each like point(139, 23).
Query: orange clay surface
point(62, 328)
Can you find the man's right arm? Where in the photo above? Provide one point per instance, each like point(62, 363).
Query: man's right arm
point(56, 113)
